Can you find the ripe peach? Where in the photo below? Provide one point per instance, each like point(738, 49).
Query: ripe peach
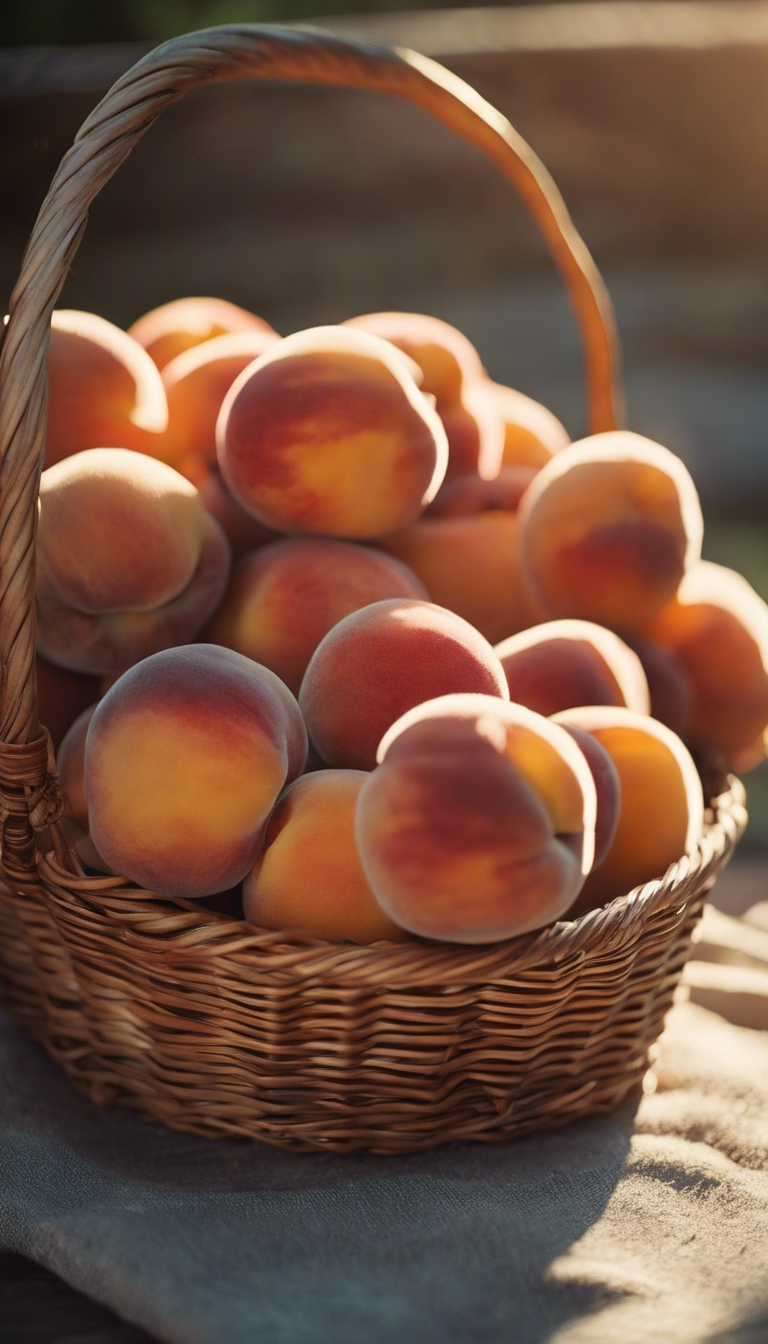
point(607, 788)
point(532, 434)
point(453, 374)
point(561, 664)
point(469, 494)
point(479, 822)
point(717, 628)
point(184, 759)
point(70, 763)
point(196, 383)
point(128, 560)
point(328, 433)
point(381, 661)
point(662, 803)
point(168, 331)
point(608, 528)
point(309, 875)
point(103, 389)
point(283, 599)
point(61, 696)
point(668, 684)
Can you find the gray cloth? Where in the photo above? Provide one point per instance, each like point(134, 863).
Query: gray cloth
point(648, 1224)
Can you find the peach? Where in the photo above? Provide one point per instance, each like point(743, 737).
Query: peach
point(471, 566)
point(608, 528)
point(103, 389)
point(70, 763)
point(328, 433)
point(196, 383)
point(479, 822)
point(453, 374)
point(128, 560)
point(607, 789)
point(532, 434)
point(668, 684)
point(309, 875)
point(561, 664)
point(662, 803)
point(717, 628)
point(381, 661)
point(468, 494)
point(180, 325)
point(62, 696)
point(283, 599)
point(184, 760)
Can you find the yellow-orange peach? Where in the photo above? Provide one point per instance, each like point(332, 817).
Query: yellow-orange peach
point(453, 374)
point(327, 433)
point(478, 823)
point(283, 599)
point(103, 390)
point(180, 325)
point(662, 804)
point(128, 560)
point(383, 660)
point(532, 434)
point(607, 789)
point(608, 528)
point(196, 383)
point(70, 763)
point(62, 696)
point(309, 876)
point(561, 664)
point(471, 566)
point(717, 628)
point(184, 760)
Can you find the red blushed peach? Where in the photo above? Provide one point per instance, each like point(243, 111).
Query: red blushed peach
point(184, 759)
point(453, 374)
point(717, 628)
point(608, 528)
point(328, 433)
point(103, 389)
point(243, 532)
point(128, 560)
point(196, 383)
point(478, 823)
point(283, 599)
point(381, 661)
point(532, 434)
point(471, 566)
point(607, 788)
point(70, 763)
point(168, 331)
point(309, 876)
point(662, 804)
point(62, 696)
point(561, 664)
point(469, 494)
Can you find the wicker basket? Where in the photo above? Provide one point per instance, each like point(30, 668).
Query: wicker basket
point(200, 1021)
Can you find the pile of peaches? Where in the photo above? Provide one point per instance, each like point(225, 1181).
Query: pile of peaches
point(339, 636)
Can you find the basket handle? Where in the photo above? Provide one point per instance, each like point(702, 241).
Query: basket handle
point(105, 140)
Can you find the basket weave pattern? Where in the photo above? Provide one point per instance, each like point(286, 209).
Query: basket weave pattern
point(205, 1023)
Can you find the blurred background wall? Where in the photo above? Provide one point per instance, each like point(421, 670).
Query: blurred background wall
point(308, 205)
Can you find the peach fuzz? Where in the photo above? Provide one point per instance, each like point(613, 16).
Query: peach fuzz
point(103, 389)
point(478, 823)
point(283, 599)
point(716, 626)
point(128, 560)
point(196, 383)
point(61, 697)
point(470, 565)
point(382, 661)
point(70, 763)
point(608, 528)
point(562, 664)
point(532, 434)
point(662, 802)
point(309, 876)
point(328, 433)
point(184, 760)
point(180, 325)
point(453, 374)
